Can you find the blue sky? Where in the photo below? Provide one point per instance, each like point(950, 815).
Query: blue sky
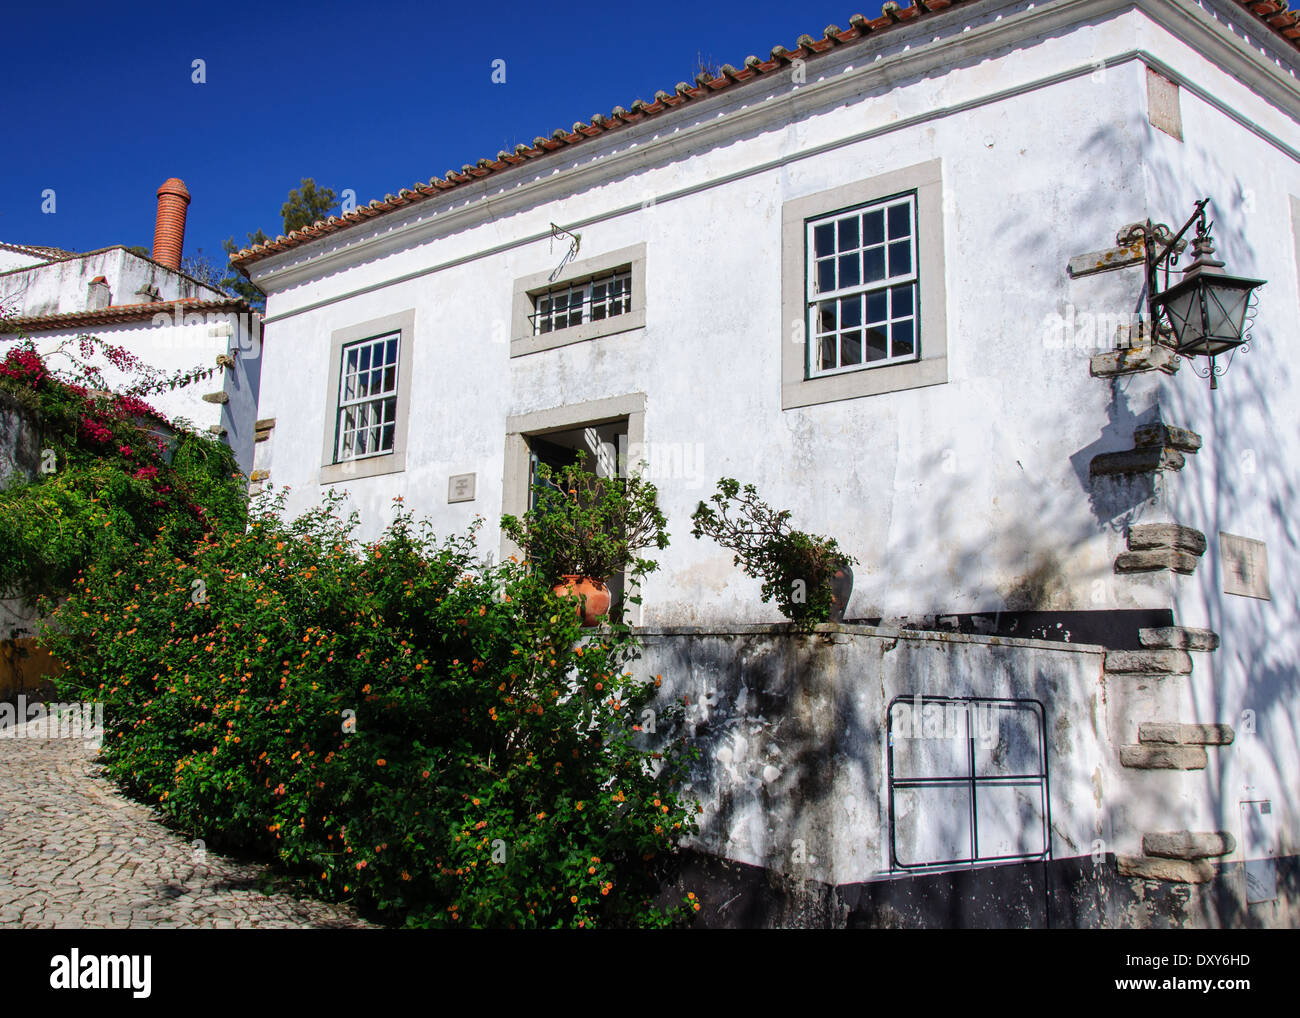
point(371, 97)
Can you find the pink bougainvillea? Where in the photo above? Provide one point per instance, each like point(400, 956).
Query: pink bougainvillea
point(25, 365)
point(133, 406)
point(95, 431)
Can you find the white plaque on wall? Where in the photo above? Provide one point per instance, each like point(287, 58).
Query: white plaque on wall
point(1245, 566)
point(460, 488)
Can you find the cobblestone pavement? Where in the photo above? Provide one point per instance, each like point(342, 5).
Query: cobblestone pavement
point(77, 854)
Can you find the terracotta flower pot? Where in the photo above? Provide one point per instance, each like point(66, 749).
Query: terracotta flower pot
point(841, 591)
point(595, 592)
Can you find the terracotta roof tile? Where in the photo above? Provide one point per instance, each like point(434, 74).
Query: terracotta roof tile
point(1273, 13)
point(118, 314)
point(37, 251)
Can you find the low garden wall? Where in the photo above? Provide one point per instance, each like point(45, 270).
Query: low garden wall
point(794, 734)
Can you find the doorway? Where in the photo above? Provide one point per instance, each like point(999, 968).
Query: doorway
point(604, 430)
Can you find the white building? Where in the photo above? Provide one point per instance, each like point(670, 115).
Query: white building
point(168, 319)
point(1001, 461)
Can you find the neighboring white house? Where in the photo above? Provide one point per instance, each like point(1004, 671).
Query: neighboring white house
point(168, 319)
point(889, 277)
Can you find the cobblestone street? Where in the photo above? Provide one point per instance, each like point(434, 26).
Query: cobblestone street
point(76, 853)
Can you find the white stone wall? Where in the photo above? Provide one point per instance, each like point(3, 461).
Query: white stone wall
point(61, 286)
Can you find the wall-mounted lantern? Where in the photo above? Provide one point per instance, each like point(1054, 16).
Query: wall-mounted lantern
point(1207, 312)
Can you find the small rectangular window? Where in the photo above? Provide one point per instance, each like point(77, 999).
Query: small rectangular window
point(862, 283)
point(573, 304)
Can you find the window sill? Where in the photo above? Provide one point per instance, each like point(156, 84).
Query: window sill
point(521, 346)
point(372, 466)
point(864, 382)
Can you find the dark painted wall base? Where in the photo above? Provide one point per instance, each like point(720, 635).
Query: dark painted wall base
point(1115, 629)
point(1065, 893)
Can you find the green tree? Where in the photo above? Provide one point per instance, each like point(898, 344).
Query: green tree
point(307, 203)
point(236, 282)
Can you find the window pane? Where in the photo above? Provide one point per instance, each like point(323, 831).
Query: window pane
point(850, 312)
point(851, 348)
point(876, 307)
point(364, 363)
point(904, 338)
point(825, 275)
point(828, 353)
point(823, 240)
point(900, 221)
point(386, 442)
point(826, 316)
point(848, 233)
point(873, 227)
point(902, 300)
point(877, 345)
point(849, 270)
point(900, 258)
point(873, 264)
point(391, 357)
point(351, 366)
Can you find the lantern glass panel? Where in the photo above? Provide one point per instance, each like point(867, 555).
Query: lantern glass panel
point(1226, 306)
point(1184, 312)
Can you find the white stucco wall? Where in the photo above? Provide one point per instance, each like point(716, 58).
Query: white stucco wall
point(59, 287)
point(973, 495)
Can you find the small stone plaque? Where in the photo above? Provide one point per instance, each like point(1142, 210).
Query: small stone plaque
point(461, 488)
point(1162, 105)
point(1245, 566)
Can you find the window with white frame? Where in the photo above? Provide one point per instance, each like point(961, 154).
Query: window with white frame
point(367, 402)
point(861, 287)
point(573, 304)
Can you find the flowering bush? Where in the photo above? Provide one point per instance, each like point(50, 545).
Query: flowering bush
point(400, 724)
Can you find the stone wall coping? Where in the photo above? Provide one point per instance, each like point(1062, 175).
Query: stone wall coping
point(876, 632)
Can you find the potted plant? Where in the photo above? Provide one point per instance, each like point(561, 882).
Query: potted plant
point(808, 576)
point(584, 529)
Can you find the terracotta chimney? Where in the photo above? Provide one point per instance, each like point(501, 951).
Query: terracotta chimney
point(169, 227)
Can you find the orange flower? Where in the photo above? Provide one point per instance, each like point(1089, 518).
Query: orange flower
point(381, 761)
point(573, 898)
